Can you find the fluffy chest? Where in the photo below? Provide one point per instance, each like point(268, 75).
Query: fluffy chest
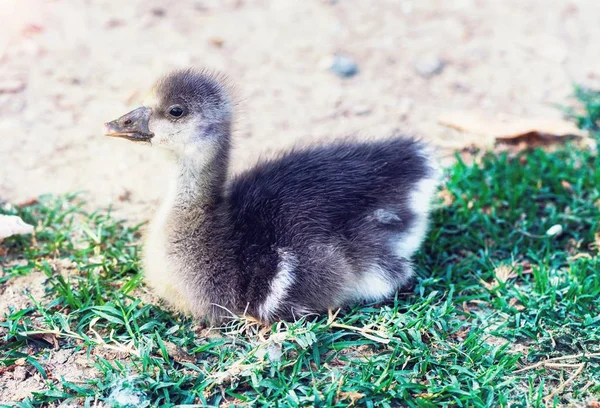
point(162, 271)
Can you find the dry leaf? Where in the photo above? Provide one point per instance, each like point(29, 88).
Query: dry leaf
point(465, 307)
point(353, 396)
point(581, 255)
point(447, 197)
point(13, 225)
point(527, 268)
point(487, 130)
point(28, 202)
point(232, 372)
point(49, 338)
point(596, 244)
point(566, 185)
point(503, 273)
point(461, 334)
point(513, 303)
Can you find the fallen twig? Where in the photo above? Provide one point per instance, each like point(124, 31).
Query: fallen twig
point(99, 342)
point(553, 364)
point(364, 331)
point(550, 360)
point(564, 384)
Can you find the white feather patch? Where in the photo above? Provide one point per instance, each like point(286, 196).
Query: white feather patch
point(420, 203)
point(422, 194)
point(373, 285)
point(284, 278)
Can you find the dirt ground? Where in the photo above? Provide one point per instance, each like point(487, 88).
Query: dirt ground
point(67, 67)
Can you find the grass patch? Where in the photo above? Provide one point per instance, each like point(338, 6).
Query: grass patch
point(495, 298)
point(587, 112)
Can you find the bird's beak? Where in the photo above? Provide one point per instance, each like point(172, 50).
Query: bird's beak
point(131, 126)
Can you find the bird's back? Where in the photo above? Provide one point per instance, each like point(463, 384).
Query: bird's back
point(339, 209)
point(329, 187)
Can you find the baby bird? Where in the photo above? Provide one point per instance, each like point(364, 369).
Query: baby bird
point(317, 228)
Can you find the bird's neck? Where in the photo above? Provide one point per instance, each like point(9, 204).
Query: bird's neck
point(200, 180)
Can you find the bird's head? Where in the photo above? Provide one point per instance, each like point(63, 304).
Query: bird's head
point(188, 113)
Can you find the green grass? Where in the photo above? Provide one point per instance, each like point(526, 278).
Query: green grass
point(587, 112)
point(494, 295)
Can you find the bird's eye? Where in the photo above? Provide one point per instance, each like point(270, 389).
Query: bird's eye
point(176, 111)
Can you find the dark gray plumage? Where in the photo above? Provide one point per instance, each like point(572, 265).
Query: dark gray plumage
point(316, 228)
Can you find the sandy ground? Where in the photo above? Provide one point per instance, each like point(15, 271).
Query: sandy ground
point(67, 67)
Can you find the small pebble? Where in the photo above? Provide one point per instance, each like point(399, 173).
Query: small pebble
point(460, 87)
point(343, 66)
point(361, 110)
point(125, 195)
point(217, 42)
point(554, 230)
point(428, 67)
point(20, 373)
point(158, 12)
point(114, 23)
